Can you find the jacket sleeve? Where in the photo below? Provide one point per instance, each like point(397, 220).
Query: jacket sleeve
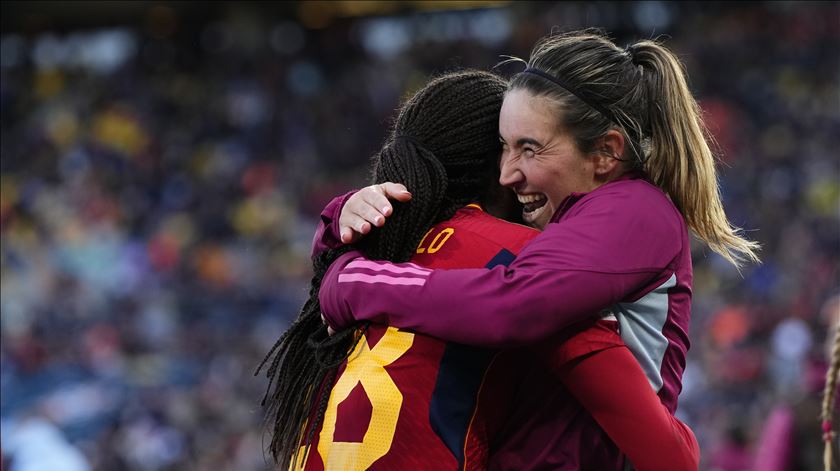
point(636, 420)
point(604, 253)
point(327, 236)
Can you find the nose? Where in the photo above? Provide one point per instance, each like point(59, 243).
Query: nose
point(509, 174)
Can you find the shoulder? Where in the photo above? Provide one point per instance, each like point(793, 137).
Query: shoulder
point(631, 203)
point(624, 225)
point(471, 239)
point(478, 225)
point(630, 192)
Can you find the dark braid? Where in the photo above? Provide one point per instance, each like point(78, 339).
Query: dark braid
point(444, 148)
point(298, 366)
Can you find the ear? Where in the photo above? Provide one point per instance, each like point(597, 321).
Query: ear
point(609, 151)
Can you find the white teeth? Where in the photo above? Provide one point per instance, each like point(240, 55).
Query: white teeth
point(525, 199)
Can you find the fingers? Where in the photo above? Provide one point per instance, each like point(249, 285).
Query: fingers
point(355, 221)
point(348, 236)
point(376, 196)
point(378, 199)
point(366, 212)
point(396, 191)
point(368, 208)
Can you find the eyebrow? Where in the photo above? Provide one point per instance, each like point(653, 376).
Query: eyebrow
point(528, 140)
point(525, 140)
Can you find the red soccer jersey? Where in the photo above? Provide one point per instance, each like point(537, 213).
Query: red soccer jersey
point(404, 400)
point(549, 406)
point(527, 419)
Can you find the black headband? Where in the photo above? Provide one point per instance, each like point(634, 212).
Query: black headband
point(571, 90)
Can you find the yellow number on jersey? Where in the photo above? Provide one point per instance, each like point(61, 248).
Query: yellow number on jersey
point(366, 366)
point(437, 242)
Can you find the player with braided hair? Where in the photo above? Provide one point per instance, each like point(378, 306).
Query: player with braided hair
point(606, 148)
point(403, 400)
point(408, 401)
point(444, 144)
point(830, 401)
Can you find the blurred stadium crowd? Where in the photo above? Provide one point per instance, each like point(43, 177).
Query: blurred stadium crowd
point(161, 183)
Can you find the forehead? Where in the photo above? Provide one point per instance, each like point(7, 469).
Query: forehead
point(526, 115)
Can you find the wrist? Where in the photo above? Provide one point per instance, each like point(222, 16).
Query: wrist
point(336, 311)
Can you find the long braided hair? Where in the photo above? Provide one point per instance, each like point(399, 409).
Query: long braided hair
point(829, 401)
point(444, 148)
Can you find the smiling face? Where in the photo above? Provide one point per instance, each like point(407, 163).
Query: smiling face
point(540, 160)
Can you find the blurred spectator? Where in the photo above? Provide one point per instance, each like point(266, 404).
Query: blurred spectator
point(161, 179)
point(37, 445)
point(733, 453)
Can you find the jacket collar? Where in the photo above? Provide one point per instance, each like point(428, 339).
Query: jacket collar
point(574, 197)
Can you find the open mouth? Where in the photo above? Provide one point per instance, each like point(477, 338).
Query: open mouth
point(531, 203)
point(533, 206)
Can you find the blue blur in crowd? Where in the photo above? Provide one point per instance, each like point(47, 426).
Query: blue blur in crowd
point(162, 175)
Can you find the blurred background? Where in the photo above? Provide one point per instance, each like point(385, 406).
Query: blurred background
point(164, 164)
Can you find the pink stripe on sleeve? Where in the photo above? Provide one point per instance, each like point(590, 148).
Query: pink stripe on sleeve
point(386, 279)
point(366, 264)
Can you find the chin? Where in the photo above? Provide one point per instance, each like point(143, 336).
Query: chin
point(538, 221)
point(539, 225)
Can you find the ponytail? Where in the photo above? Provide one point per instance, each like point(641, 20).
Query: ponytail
point(830, 400)
point(641, 91)
point(680, 160)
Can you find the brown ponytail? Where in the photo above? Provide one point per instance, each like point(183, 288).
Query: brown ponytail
point(680, 160)
point(642, 92)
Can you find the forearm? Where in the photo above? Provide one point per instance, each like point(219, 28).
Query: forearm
point(635, 420)
point(572, 270)
point(492, 308)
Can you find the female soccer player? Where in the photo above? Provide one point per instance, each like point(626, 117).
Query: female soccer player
point(407, 401)
point(605, 146)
